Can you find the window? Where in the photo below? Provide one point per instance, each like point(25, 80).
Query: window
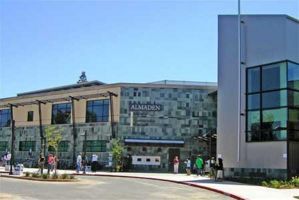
point(27, 145)
point(3, 145)
point(293, 98)
point(61, 113)
point(30, 116)
point(293, 75)
point(62, 147)
point(5, 118)
point(97, 111)
point(274, 99)
point(96, 145)
point(274, 76)
point(253, 101)
point(268, 100)
point(253, 79)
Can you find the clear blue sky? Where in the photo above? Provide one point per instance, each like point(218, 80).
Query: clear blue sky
point(48, 43)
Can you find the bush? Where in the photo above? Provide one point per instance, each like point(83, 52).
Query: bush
point(36, 175)
point(274, 184)
point(64, 176)
point(295, 181)
point(45, 176)
point(27, 174)
point(55, 176)
point(265, 184)
point(72, 177)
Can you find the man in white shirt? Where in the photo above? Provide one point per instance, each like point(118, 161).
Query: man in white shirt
point(78, 163)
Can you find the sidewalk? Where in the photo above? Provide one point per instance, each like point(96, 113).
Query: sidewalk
point(233, 189)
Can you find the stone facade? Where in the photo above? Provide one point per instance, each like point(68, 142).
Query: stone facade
point(185, 114)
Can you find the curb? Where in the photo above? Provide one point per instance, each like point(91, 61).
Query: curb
point(41, 180)
point(171, 181)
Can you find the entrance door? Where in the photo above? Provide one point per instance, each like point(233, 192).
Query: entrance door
point(171, 154)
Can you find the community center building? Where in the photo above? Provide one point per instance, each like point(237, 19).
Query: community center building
point(154, 121)
point(258, 95)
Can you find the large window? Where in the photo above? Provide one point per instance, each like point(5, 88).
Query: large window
point(61, 113)
point(96, 145)
point(27, 145)
point(272, 102)
point(5, 118)
point(3, 145)
point(97, 111)
point(63, 146)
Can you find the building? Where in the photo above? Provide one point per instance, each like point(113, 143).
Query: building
point(154, 121)
point(267, 141)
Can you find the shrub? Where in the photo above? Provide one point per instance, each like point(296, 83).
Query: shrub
point(295, 181)
point(36, 175)
point(64, 176)
point(45, 176)
point(274, 184)
point(27, 174)
point(55, 176)
point(72, 177)
point(265, 184)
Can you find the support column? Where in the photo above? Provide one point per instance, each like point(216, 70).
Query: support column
point(111, 94)
point(41, 133)
point(74, 129)
point(12, 159)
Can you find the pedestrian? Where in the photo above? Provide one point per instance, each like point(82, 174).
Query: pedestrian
point(94, 162)
point(199, 165)
point(219, 170)
point(78, 163)
point(130, 162)
point(41, 163)
point(188, 166)
point(212, 167)
point(50, 163)
point(176, 163)
point(55, 163)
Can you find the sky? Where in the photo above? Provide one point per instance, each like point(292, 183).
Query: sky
point(48, 43)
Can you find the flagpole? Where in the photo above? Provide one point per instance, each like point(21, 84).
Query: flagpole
point(239, 79)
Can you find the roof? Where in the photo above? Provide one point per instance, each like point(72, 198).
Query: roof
point(65, 87)
point(193, 83)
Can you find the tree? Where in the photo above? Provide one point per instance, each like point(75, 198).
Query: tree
point(117, 151)
point(53, 137)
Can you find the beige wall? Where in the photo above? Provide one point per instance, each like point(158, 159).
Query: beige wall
point(20, 113)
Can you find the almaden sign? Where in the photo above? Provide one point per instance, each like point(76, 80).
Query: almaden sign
point(145, 107)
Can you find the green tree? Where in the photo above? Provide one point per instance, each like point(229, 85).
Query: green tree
point(117, 151)
point(53, 137)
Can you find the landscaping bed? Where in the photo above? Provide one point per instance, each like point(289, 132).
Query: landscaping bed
point(46, 177)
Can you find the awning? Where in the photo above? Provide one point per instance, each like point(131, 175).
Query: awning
point(149, 141)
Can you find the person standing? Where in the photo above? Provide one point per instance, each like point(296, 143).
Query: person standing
point(55, 163)
point(188, 166)
point(78, 163)
point(41, 163)
point(176, 164)
point(94, 162)
point(212, 167)
point(199, 165)
point(219, 172)
point(50, 163)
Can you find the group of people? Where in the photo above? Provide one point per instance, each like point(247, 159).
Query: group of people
point(81, 163)
point(215, 168)
point(52, 162)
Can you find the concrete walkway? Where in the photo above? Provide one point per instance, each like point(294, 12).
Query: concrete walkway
point(233, 189)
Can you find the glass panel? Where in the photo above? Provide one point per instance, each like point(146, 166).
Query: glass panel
point(97, 111)
point(293, 75)
point(293, 98)
point(5, 118)
point(253, 136)
point(271, 135)
point(293, 119)
point(253, 101)
point(294, 135)
point(253, 120)
point(253, 80)
point(274, 76)
point(274, 119)
point(61, 113)
point(274, 99)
